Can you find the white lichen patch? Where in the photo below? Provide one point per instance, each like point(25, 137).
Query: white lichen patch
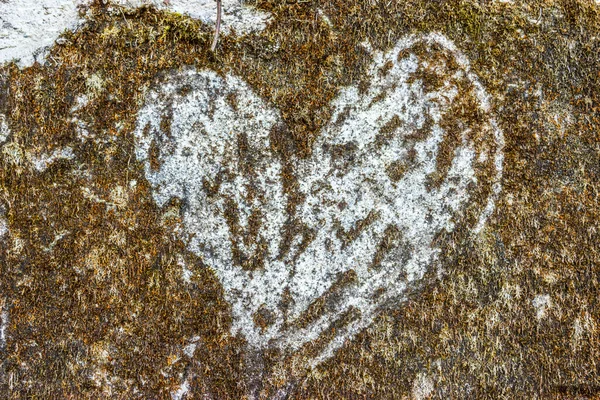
point(541, 303)
point(385, 178)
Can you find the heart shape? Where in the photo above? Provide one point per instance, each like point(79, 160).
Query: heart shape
point(314, 257)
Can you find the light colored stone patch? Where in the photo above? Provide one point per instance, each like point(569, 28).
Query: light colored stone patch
point(4, 130)
point(42, 162)
point(422, 387)
point(3, 323)
point(3, 223)
point(117, 200)
point(366, 228)
point(80, 102)
point(29, 27)
point(102, 366)
point(584, 325)
point(186, 273)
point(181, 391)
point(190, 349)
point(541, 303)
point(15, 155)
point(95, 85)
point(119, 196)
point(3, 227)
point(57, 238)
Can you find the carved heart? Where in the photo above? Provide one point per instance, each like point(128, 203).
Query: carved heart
point(315, 255)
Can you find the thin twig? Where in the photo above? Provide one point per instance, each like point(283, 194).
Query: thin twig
point(123, 14)
point(218, 27)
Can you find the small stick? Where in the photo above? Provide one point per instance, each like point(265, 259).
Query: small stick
point(218, 27)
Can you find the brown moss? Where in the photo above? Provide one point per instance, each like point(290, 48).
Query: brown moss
point(478, 317)
point(154, 156)
point(388, 129)
point(350, 235)
point(392, 238)
point(263, 318)
point(385, 68)
point(327, 302)
point(396, 170)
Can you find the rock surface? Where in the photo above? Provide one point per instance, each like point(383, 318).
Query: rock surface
point(345, 199)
